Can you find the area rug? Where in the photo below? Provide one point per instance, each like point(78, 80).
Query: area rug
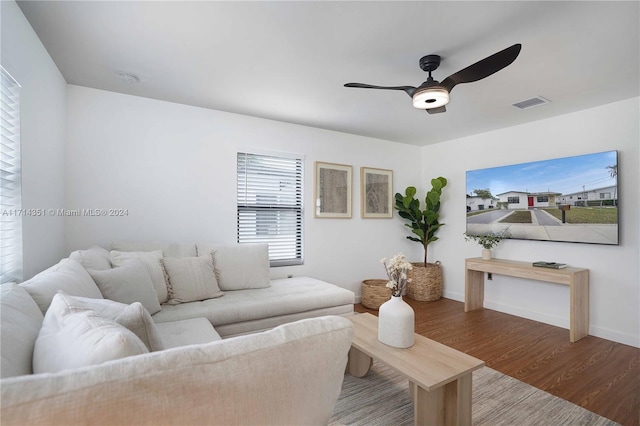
point(381, 398)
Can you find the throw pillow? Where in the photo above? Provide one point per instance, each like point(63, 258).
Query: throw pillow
point(239, 266)
point(74, 340)
point(191, 279)
point(167, 249)
point(128, 283)
point(151, 260)
point(134, 317)
point(21, 321)
point(68, 275)
point(95, 257)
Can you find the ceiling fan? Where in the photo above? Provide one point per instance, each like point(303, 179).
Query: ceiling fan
point(432, 95)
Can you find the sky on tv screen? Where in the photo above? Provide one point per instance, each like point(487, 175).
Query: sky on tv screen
point(564, 175)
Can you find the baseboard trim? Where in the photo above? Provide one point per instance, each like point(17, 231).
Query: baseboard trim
point(528, 314)
point(601, 332)
point(615, 336)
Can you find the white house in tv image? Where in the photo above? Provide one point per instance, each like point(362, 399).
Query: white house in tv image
point(604, 196)
point(475, 203)
point(523, 200)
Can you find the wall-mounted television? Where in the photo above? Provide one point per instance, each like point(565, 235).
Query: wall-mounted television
point(570, 199)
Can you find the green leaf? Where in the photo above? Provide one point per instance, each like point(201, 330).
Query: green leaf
point(433, 198)
point(406, 202)
point(410, 191)
point(430, 217)
point(419, 232)
point(437, 184)
point(403, 214)
point(432, 239)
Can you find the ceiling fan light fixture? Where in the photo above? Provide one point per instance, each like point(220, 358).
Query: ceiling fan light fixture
point(431, 97)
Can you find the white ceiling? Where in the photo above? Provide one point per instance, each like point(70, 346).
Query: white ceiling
point(288, 61)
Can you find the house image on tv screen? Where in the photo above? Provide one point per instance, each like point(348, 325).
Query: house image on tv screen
point(606, 196)
point(475, 203)
point(569, 199)
point(523, 200)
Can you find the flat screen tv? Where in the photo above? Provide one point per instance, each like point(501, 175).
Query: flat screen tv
point(571, 199)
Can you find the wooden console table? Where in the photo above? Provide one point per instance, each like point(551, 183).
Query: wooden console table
point(576, 278)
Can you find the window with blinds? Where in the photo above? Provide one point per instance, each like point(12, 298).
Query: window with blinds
point(270, 205)
point(10, 213)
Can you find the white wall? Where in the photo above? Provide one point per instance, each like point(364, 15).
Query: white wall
point(614, 271)
point(174, 168)
point(42, 122)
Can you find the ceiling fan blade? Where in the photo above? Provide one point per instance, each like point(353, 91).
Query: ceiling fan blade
point(409, 90)
point(483, 68)
point(437, 110)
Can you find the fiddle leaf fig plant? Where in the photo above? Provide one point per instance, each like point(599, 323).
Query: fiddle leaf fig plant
point(423, 223)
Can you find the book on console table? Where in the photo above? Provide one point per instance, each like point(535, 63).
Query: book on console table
point(552, 265)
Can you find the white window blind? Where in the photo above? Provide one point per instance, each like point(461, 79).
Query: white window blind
point(10, 191)
point(270, 205)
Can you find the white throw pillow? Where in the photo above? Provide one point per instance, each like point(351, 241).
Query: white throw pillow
point(167, 249)
point(95, 257)
point(128, 283)
point(21, 321)
point(239, 266)
point(134, 317)
point(191, 279)
point(73, 340)
point(151, 260)
point(68, 275)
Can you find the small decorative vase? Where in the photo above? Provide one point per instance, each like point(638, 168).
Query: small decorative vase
point(486, 254)
point(396, 323)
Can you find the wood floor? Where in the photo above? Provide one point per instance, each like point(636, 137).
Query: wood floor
point(597, 374)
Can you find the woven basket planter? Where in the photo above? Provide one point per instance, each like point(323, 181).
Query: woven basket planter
point(374, 293)
point(426, 282)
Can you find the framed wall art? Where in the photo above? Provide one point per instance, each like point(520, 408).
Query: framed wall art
point(333, 188)
point(376, 193)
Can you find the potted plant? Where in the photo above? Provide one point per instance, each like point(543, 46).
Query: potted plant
point(488, 241)
point(426, 278)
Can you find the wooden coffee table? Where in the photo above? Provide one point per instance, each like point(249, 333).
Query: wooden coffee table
point(439, 377)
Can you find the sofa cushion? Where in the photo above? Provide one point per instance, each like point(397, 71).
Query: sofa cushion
point(167, 249)
point(128, 283)
point(68, 275)
point(95, 257)
point(186, 332)
point(190, 279)
point(70, 340)
point(134, 317)
point(151, 259)
point(21, 320)
point(239, 266)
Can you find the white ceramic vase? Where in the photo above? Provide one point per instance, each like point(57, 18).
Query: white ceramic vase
point(396, 323)
point(486, 254)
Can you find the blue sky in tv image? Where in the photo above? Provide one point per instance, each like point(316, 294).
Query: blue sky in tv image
point(561, 175)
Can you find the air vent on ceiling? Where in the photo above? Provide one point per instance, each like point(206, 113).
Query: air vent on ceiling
point(530, 103)
point(128, 78)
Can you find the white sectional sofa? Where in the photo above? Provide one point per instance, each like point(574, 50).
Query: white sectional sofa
point(253, 301)
point(86, 342)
